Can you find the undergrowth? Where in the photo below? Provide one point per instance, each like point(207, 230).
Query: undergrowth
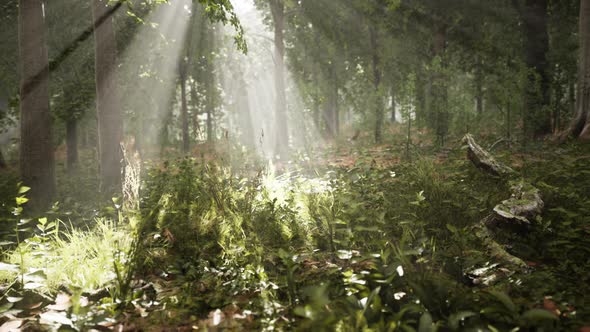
point(359, 248)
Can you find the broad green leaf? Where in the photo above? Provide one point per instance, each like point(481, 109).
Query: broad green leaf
point(535, 315)
point(23, 189)
point(504, 299)
point(456, 319)
point(425, 324)
point(21, 200)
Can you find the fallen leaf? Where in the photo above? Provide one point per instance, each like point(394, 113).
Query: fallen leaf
point(55, 317)
point(11, 325)
point(62, 302)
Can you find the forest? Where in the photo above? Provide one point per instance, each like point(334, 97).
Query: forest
point(295, 165)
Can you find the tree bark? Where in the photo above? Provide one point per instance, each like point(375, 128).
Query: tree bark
point(184, 108)
point(377, 101)
point(439, 85)
point(392, 95)
point(580, 126)
point(36, 148)
point(110, 130)
point(537, 119)
point(278, 14)
point(72, 144)
point(479, 90)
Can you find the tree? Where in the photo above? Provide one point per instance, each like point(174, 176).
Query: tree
point(110, 130)
point(36, 149)
point(580, 126)
point(537, 119)
point(184, 107)
point(277, 8)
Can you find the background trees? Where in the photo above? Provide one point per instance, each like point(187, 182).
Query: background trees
point(36, 146)
point(506, 68)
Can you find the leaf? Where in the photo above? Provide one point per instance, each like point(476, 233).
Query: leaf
point(5, 307)
point(425, 324)
point(32, 285)
point(504, 299)
point(11, 325)
point(13, 299)
point(456, 319)
point(23, 189)
point(36, 276)
point(55, 317)
point(8, 267)
point(534, 315)
point(452, 228)
point(21, 200)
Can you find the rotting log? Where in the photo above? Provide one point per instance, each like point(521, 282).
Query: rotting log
point(484, 160)
point(523, 207)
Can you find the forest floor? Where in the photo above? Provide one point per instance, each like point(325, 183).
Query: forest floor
point(350, 238)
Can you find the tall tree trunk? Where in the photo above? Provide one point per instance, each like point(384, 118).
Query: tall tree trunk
point(278, 14)
point(377, 101)
point(36, 149)
point(439, 85)
point(244, 115)
point(581, 124)
point(110, 130)
point(420, 99)
point(393, 118)
point(209, 108)
point(184, 108)
point(537, 118)
point(3, 164)
point(335, 105)
point(479, 90)
point(72, 143)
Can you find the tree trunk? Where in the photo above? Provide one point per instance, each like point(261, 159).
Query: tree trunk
point(245, 117)
point(209, 110)
point(72, 144)
point(392, 95)
point(479, 90)
point(195, 110)
point(581, 124)
point(439, 86)
point(537, 118)
point(420, 100)
point(36, 149)
point(335, 102)
point(377, 101)
point(3, 164)
point(108, 110)
point(184, 109)
point(277, 9)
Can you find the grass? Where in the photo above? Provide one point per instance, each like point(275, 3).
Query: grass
point(361, 247)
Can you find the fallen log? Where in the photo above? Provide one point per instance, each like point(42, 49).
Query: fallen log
point(523, 207)
point(483, 159)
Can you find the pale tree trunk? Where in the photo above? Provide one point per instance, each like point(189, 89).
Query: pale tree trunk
point(393, 118)
point(377, 101)
point(110, 129)
point(278, 14)
point(184, 108)
point(581, 125)
point(36, 150)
